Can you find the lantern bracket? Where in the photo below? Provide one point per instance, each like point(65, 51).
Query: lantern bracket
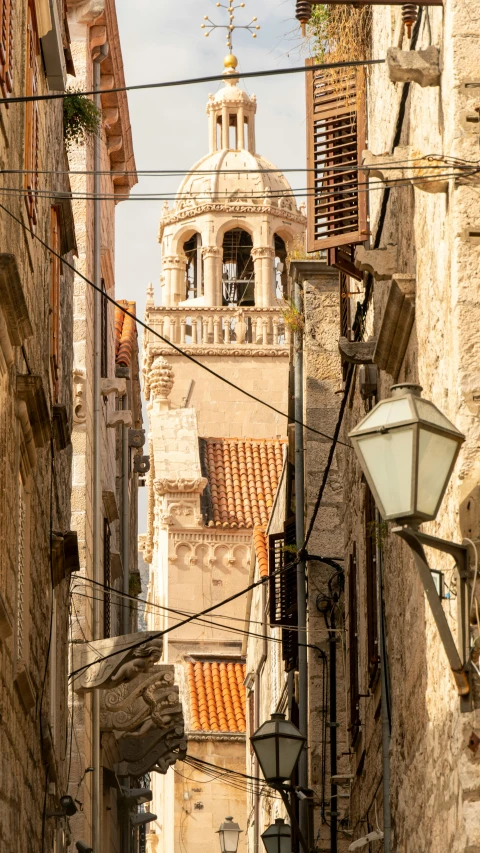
point(457, 658)
point(293, 819)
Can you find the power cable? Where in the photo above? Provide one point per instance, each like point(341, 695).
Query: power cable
point(212, 78)
point(156, 334)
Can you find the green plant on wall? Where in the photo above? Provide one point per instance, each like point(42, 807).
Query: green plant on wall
point(81, 118)
point(292, 317)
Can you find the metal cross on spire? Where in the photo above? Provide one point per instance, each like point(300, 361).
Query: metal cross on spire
point(231, 26)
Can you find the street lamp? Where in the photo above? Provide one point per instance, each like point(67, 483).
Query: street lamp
point(407, 449)
point(277, 745)
point(278, 837)
point(228, 835)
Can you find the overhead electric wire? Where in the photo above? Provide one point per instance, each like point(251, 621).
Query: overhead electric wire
point(189, 81)
point(156, 334)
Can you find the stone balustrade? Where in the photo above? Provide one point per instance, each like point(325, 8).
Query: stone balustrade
point(199, 326)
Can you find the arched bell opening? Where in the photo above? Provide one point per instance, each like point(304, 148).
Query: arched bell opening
point(238, 273)
point(192, 250)
point(280, 262)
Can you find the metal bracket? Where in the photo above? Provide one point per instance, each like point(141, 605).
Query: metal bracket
point(293, 820)
point(457, 658)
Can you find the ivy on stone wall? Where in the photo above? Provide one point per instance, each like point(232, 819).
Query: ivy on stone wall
point(81, 118)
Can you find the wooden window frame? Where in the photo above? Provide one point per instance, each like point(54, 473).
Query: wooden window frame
point(6, 47)
point(336, 138)
point(55, 278)
point(31, 159)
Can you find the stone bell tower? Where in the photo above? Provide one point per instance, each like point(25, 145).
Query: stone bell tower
point(224, 248)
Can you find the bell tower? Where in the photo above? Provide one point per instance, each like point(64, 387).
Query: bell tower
point(224, 251)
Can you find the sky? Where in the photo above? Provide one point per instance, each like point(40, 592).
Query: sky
point(163, 40)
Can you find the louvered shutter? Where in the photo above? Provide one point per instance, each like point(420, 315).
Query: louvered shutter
point(336, 137)
point(283, 590)
point(6, 47)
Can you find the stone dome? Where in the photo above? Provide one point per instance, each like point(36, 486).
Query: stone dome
point(207, 183)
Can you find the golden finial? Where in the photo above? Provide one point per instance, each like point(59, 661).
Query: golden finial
point(252, 28)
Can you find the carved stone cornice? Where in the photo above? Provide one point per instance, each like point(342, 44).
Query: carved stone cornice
point(230, 208)
point(97, 668)
point(237, 737)
point(224, 349)
point(156, 750)
point(165, 486)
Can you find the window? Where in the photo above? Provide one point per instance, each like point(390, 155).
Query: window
point(371, 584)
point(283, 590)
point(353, 645)
point(31, 120)
point(55, 274)
point(6, 47)
point(336, 137)
point(107, 579)
point(104, 349)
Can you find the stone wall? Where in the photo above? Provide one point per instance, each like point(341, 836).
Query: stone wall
point(35, 476)
point(435, 781)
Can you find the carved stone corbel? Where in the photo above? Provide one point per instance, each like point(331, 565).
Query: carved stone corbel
point(79, 402)
point(107, 663)
point(119, 417)
point(356, 352)
point(113, 386)
point(414, 66)
point(408, 165)
point(381, 263)
point(30, 390)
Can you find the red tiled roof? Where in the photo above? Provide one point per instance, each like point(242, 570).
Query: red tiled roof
point(243, 477)
point(260, 545)
point(217, 696)
point(125, 333)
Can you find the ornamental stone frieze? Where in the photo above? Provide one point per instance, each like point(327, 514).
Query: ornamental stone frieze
point(110, 662)
point(195, 485)
point(260, 350)
point(232, 208)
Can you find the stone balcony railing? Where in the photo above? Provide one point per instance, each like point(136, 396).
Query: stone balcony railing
point(229, 325)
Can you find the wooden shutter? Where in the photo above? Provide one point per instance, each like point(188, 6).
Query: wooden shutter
point(342, 257)
point(371, 583)
point(336, 137)
point(31, 121)
point(353, 645)
point(104, 347)
point(55, 302)
point(283, 590)
point(6, 47)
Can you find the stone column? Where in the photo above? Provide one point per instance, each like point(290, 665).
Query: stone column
point(174, 268)
point(225, 126)
point(264, 279)
point(240, 128)
point(212, 277)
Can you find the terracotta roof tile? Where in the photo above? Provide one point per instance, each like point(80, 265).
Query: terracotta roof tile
point(260, 545)
point(125, 333)
point(217, 696)
point(243, 477)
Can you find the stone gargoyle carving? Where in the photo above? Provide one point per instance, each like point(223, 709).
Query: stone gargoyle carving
point(157, 750)
point(150, 700)
point(108, 663)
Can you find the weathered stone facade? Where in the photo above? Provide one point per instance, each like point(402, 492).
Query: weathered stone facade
point(37, 552)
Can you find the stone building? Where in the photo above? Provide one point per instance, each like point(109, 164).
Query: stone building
point(126, 717)
point(216, 455)
point(38, 550)
point(409, 313)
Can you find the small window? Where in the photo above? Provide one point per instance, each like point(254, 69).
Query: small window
point(55, 274)
point(31, 120)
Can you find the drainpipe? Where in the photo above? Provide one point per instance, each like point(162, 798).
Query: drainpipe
point(385, 705)
point(97, 459)
point(333, 733)
point(125, 520)
point(301, 576)
point(256, 722)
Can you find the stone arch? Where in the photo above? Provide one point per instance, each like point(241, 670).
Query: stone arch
point(232, 223)
point(184, 233)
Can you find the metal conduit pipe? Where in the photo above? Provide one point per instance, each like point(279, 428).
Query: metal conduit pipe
point(301, 568)
point(332, 636)
point(97, 459)
point(385, 705)
point(125, 520)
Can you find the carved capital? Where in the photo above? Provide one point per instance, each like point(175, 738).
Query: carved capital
point(261, 252)
point(164, 485)
point(211, 252)
point(174, 262)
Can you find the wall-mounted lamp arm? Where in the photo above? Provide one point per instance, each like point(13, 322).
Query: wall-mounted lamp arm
point(458, 660)
point(293, 820)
